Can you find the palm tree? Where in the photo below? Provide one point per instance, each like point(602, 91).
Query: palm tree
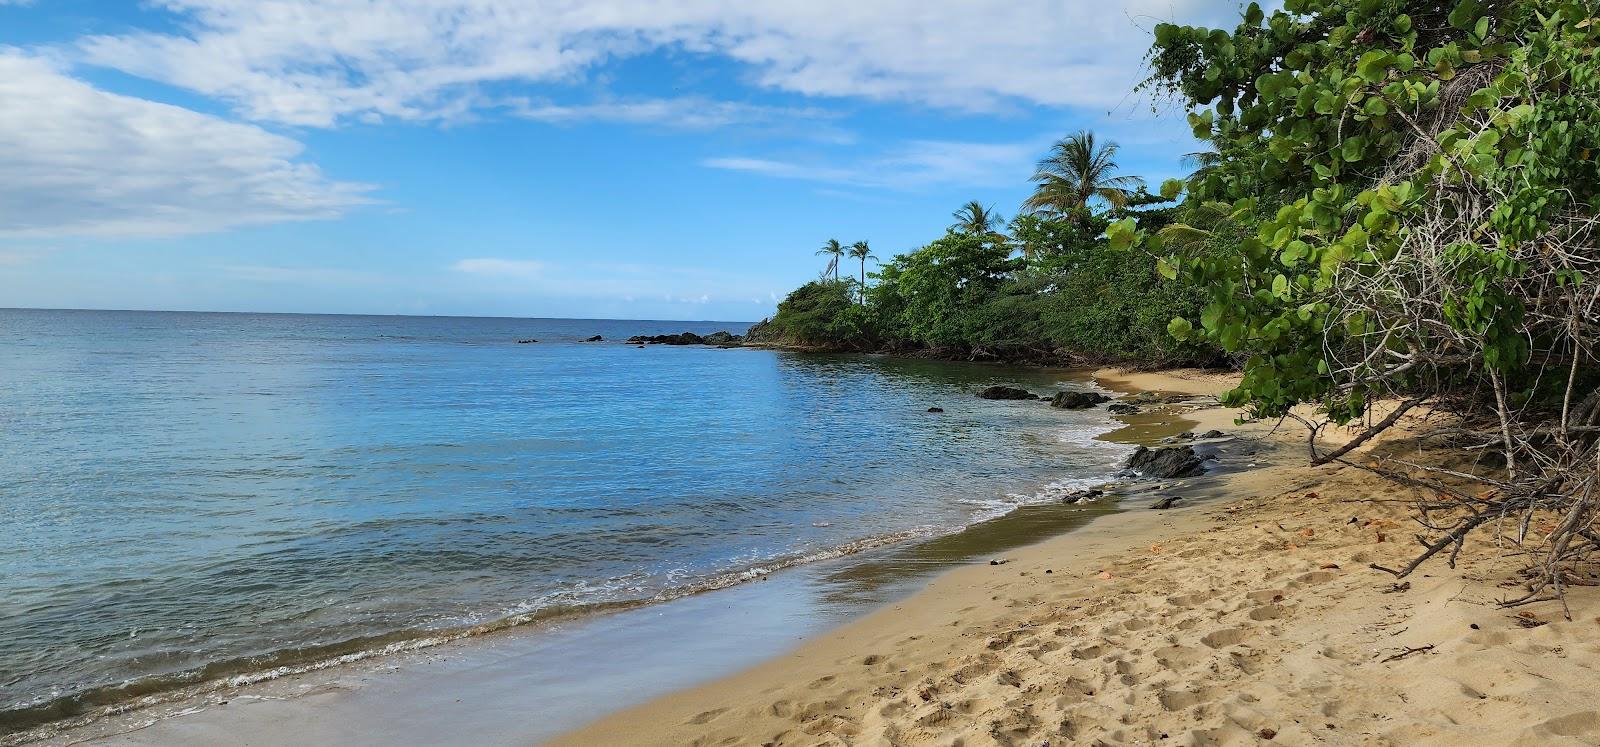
point(859, 250)
point(833, 250)
point(1076, 172)
point(976, 220)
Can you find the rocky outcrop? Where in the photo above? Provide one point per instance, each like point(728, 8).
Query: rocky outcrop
point(687, 338)
point(526, 342)
point(1168, 462)
point(936, 409)
point(596, 338)
point(1078, 400)
point(1005, 392)
point(1123, 408)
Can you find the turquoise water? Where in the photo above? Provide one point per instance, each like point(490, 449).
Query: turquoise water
point(189, 497)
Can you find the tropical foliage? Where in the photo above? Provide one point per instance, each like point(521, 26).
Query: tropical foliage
point(968, 294)
point(1077, 172)
point(1401, 205)
point(975, 219)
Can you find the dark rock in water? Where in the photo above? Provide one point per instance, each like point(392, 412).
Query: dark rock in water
point(686, 338)
point(723, 338)
point(1082, 496)
point(596, 338)
point(1172, 461)
point(1078, 400)
point(1167, 502)
point(1005, 392)
point(526, 342)
point(936, 409)
point(1158, 398)
point(1123, 408)
point(1213, 434)
point(641, 346)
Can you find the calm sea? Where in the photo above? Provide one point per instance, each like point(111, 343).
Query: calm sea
point(190, 497)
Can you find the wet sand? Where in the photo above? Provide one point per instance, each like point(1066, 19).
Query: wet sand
point(1249, 618)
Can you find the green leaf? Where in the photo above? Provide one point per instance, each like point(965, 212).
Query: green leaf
point(1179, 328)
point(1171, 188)
point(1466, 13)
point(1166, 269)
point(1374, 65)
point(1280, 287)
point(1121, 234)
point(1353, 149)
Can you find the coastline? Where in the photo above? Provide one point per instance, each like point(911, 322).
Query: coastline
point(1250, 618)
point(867, 576)
point(1245, 615)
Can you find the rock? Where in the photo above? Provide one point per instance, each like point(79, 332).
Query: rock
point(1123, 408)
point(526, 342)
point(1078, 400)
point(723, 338)
point(1158, 398)
point(686, 338)
point(1082, 496)
point(596, 338)
point(1168, 462)
point(1213, 434)
point(1005, 392)
point(1000, 561)
point(936, 409)
point(1166, 503)
point(1186, 436)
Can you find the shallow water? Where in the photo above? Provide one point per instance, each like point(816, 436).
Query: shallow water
point(191, 496)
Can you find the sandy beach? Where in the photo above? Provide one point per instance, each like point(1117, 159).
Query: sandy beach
point(1252, 617)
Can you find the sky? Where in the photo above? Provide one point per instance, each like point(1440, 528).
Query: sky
point(643, 159)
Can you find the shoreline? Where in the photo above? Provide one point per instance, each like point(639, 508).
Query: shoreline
point(1251, 618)
point(1042, 517)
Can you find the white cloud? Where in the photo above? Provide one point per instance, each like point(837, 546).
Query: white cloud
point(302, 276)
point(501, 268)
point(920, 163)
point(689, 113)
point(316, 62)
point(77, 160)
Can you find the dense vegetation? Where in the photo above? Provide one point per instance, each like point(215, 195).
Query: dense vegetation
point(1398, 204)
point(1045, 287)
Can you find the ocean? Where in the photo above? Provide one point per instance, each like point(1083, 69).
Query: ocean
point(189, 498)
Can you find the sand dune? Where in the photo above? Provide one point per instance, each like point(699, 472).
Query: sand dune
point(1249, 619)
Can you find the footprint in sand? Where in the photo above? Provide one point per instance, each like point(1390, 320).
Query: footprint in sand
point(1267, 612)
point(707, 716)
point(1580, 724)
point(1225, 637)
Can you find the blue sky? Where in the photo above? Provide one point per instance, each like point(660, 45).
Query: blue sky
point(672, 159)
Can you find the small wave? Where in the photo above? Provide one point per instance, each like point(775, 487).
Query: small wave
point(59, 711)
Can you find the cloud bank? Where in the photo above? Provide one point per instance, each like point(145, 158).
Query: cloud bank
point(317, 62)
point(80, 161)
